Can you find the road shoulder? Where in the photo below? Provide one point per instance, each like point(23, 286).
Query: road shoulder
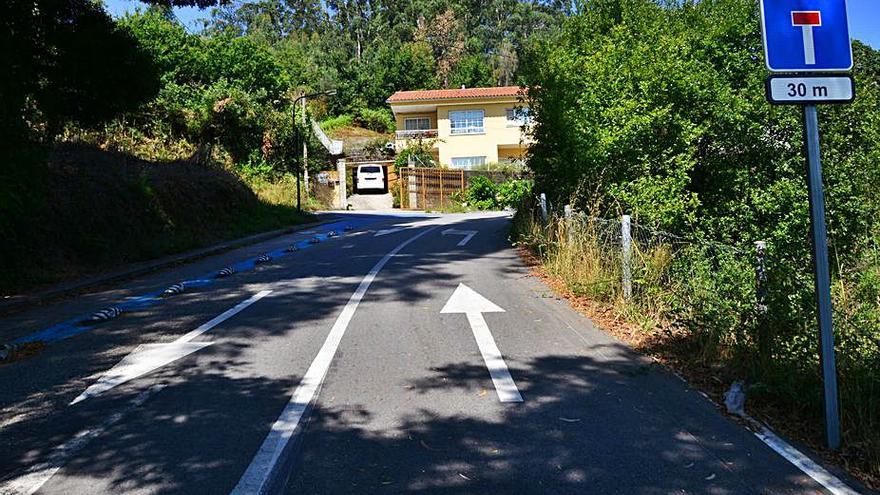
point(607, 321)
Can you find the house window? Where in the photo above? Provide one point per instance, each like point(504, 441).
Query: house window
point(417, 124)
point(468, 162)
point(466, 122)
point(518, 117)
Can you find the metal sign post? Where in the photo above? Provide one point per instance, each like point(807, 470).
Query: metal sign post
point(803, 37)
point(823, 276)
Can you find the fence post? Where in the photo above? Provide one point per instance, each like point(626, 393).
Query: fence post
point(761, 289)
point(400, 183)
point(568, 223)
point(424, 190)
point(626, 252)
point(544, 207)
point(441, 189)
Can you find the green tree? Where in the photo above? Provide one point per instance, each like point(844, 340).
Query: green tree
point(444, 33)
point(658, 109)
point(178, 55)
point(67, 62)
point(246, 63)
point(473, 71)
point(269, 21)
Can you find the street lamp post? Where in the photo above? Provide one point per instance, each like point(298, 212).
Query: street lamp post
point(297, 136)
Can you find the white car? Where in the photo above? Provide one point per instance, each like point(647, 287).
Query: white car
point(370, 177)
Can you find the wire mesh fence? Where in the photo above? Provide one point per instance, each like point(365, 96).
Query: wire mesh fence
point(733, 296)
point(664, 277)
point(746, 310)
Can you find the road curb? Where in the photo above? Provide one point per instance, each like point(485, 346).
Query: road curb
point(15, 304)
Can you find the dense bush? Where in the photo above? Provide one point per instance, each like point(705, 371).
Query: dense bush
point(337, 122)
point(658, 110)
point(109, 208)
point(379, 120)
point(67, 61)
point(511, 193)
point(419, 152)
point(481, 193)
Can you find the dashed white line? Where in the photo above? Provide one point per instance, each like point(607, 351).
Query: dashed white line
point(147, 358)
point(468, 235)
point(36, 476)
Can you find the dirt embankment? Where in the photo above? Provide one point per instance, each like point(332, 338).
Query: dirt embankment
point(98, 210)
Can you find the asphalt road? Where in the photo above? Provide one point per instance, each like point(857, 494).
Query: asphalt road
point(344, 367)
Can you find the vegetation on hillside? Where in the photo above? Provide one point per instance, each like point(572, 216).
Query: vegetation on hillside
point(658, 110)
point(146, 88)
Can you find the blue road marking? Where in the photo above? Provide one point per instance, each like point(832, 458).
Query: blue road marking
point(76, 326)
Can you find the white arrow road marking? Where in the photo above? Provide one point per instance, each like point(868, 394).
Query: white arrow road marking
point(149, 357)
point(387, 231)
point(37, 475)
point(266, 464)
point(468, 301)
point(468, 235)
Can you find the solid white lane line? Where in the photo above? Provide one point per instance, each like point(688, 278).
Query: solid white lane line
point(804, 463)
point(37, 475)
point(262, 469)
point(504, 384)
point(149, 357)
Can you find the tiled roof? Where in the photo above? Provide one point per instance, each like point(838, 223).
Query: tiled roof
point(450, 94)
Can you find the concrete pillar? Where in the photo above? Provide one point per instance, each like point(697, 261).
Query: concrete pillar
point(412, 189)
point(343, 194)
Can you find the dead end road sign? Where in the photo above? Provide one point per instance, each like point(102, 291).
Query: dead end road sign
point(806, 35)
point(803, 38)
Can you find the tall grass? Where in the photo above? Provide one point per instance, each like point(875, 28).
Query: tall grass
point(697, 302)
point(282, 192)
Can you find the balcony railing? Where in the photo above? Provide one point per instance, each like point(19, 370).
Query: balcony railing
point(417, 134)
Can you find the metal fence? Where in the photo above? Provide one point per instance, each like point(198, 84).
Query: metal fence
point(428, 188)
point(625, 244)
point(424, 188)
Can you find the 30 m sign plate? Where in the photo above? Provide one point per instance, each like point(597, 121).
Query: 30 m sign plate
point(810, 90)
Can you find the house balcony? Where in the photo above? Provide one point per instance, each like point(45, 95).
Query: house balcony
point(417, 134)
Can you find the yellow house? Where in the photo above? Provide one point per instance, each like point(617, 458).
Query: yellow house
point(471, 127)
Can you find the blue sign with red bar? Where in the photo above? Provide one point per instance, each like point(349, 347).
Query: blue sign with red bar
point(806, 35)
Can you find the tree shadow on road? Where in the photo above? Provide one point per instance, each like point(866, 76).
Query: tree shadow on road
point(599, 420)
point(588, 425)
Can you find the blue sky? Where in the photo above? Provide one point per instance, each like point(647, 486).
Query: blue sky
point(864, 17)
